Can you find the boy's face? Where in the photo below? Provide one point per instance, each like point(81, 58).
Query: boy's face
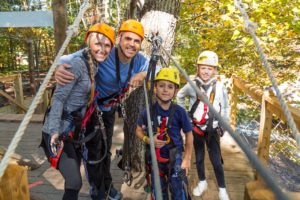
point(165, 90)
point(206, 72)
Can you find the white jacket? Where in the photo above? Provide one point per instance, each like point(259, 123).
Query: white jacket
point(220, 103)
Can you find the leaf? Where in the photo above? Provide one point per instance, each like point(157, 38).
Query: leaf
point(235, 35)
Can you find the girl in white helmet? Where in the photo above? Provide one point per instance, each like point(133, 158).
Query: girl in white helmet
point(206, 128)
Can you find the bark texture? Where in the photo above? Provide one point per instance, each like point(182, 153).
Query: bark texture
point(60, 22)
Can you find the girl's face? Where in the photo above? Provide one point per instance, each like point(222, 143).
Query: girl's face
point(100, 46)
point(206, 72)
point(165, 90)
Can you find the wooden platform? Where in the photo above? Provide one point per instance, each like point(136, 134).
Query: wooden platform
point(47, 183)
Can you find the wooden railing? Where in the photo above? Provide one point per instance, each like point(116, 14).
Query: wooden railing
point(19, 95)
point(269, 107)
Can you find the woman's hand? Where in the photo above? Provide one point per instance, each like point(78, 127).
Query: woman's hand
point(54, 142)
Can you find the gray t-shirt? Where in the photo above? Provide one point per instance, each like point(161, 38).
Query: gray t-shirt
point(70, 97)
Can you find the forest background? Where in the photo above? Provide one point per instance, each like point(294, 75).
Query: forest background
point(202, 25)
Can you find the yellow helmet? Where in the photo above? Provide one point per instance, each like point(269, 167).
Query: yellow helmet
point(133, 26)
point(104, 29)
point(168, 74)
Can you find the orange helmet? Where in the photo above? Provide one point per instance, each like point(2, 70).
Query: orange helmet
point(133, 26)
point(104, 29)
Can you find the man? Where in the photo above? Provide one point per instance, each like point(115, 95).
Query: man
point(206, 129)
point(124, 67)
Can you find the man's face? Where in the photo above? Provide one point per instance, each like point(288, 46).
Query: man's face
point(206, 72)
point(100, 46)
point(130, 44)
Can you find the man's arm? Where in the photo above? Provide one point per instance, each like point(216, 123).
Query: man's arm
point(62, 75)
point(137, 79)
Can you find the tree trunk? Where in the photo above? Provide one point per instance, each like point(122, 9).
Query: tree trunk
point(158, 16)
point(60, 22)
point(31, 65)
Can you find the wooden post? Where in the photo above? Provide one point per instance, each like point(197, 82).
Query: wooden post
point(14, 183)
point(19, 91)
point(264, 132)
point(233, 103)
point(46, 100)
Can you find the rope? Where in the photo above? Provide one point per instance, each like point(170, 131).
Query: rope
point(265, 174)
point(250, 28)
point(20, 132)
point(157, 185)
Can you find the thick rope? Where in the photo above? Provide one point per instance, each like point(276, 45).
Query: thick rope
point(250, 28)
point(265, 174)
point(157, 185)
point(20, 132)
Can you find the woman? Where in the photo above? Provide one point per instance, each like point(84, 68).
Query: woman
point(69, 103)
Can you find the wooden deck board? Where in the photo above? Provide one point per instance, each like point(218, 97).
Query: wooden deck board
point(237, 168)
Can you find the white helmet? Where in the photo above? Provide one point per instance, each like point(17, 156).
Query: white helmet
point(208, 58)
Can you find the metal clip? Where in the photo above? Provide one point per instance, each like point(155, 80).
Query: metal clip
point(121, 111)
point(101, 122)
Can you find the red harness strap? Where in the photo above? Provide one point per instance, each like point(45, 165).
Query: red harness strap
point(202, 121)
point(55, 159)
point(162, 133)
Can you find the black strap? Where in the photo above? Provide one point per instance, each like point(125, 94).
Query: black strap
point(196, 103)
point(118, 77)
point(211, 115)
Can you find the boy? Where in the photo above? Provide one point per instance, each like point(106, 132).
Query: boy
point(206, 129)
point(168, 120)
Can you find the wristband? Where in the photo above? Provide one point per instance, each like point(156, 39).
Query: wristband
point(145, 138)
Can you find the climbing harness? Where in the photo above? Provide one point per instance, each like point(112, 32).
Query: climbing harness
point(162, 130)
point(197, 128)
point(117, 98)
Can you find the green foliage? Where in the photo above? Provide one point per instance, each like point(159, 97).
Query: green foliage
point(218, 26)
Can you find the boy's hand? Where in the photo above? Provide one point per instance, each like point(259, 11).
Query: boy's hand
point(158, 143)
point(186, 164)
point(62, 76)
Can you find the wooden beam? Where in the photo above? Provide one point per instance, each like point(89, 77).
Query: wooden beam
point(252, 90)
point(264, 132)
point(275, 108)
point(233, 100)
point(12, 100)
point(10, 78)
point(19, 91)
point(256, 93)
